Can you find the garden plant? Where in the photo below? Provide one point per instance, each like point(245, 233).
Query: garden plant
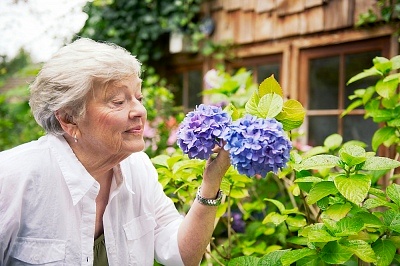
point(326, 206)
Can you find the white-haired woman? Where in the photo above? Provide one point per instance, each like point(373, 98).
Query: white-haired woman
point(86, 193)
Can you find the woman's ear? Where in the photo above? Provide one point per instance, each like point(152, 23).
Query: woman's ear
point(67, 122)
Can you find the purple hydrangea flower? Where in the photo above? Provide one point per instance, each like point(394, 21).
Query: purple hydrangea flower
point(201, 130)
point(256, 145)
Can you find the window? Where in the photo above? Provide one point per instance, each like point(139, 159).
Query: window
point(261, 67)
point(187, 88)
point(324, 73)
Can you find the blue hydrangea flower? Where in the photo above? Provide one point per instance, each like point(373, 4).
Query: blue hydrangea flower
point(201, 130)
point(256, 145)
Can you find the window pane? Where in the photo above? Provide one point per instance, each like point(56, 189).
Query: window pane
point(265, 71)
point(324, 83)
point(356, 63)
point(195, 88)
point(358, 128)
point(176, 87)
point(321, 127)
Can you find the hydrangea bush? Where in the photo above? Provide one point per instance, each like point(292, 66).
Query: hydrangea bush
point(256, 140)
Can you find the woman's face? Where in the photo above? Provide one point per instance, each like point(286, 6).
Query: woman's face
point(114, 120)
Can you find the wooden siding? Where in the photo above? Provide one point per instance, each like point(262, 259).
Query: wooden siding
point(249, 21)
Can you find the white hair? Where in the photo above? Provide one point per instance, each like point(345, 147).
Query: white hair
point(66, 79)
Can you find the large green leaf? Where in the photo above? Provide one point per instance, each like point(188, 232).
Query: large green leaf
point(275, 218)
point(387, 89)
point(278, 204)
point(310, 261)
point(380, 163)
point(385, 251)
point(352, 154)
point(366, 73)
point(393, 192)
point(381, 135)
point(360, 248)
point(347, 226)
point(333, 141)
point(292, 115)
point(270, 105)
point(244, 260)
point(317, 233)
point(318, 161)
point(294, 255)
point(321, 190)
point(338, 211)
point(271, 259)
point(251, 105)
point(334, 253)
point(354, 188)
point(270, 85)
point(376, 202)
point(395, 62)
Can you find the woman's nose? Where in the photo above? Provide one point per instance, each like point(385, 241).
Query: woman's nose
point(137, 110)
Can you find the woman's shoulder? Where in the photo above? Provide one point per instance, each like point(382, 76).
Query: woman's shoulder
point(24, 158)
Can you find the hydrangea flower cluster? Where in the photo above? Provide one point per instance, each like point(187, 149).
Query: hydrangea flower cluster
point(201, 130)
point(256, 145)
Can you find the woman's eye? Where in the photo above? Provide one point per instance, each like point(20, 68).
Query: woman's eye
point(119, 102)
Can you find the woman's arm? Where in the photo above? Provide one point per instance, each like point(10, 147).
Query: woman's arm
point(196, 229)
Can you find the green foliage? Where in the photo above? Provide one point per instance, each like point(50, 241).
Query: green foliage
point(325, 208)
point(141, 27)
point(388, 12)
point(382, 101)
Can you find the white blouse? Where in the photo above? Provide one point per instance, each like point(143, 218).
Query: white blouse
point(48, 209)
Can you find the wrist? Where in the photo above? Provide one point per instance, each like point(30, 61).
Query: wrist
point(209, 201)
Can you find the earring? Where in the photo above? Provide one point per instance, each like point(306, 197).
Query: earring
point(75, 139)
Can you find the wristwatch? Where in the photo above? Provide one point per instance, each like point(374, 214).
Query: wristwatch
point(209, 202)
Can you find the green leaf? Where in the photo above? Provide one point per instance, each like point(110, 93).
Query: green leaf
point(278, 204)
point(380, 163)
point(392, 77)
point(352, 154)
point(354, 188)
point(271, 259)
point(244, 260)
point(160, 160)
point(352, 106)
point(333, 141)
point(270, 105)
point(310, 261)
point(393, 192)
point(318, 161)
point(338, 211)
point(387, 89)
point(381, 135)
point(308, 179)
point(269, 85)
point(347, 226)
point(361, 249)
point(321, 190)
point(251, 105)
point(385, 251)
point(395, 62)
point(275, 218)
point(296, 221)
point(376, 202)
point(334, 253)
point(294, 255)
point(292, 115)
point(366, 73)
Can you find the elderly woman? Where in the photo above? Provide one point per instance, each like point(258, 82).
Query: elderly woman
point(86, 193)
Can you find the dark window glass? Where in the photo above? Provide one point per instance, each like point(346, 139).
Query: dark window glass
point(320, 127)
point(324, 83)
point(356, 63)
point(358, 128)
point(195, 88)
point(265, 71)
